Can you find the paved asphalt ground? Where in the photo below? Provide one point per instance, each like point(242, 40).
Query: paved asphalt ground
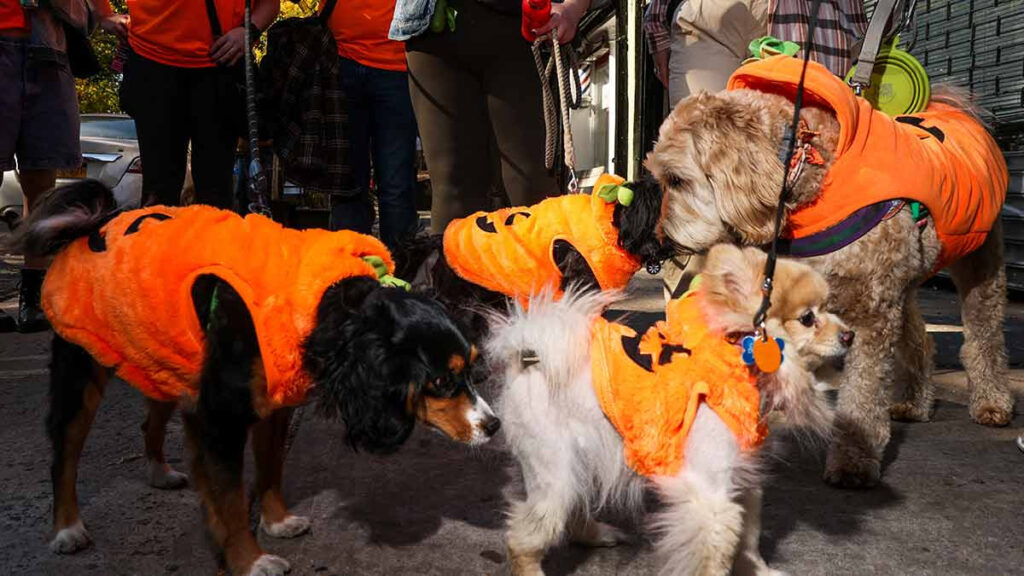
point(952, 501)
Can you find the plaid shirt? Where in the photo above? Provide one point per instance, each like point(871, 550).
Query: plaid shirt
point(302, 105)
point(840, 24)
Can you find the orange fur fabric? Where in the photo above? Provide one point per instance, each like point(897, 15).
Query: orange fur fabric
point(125, 296)
point(510, 251)
point(650, 386)
point(943, 158)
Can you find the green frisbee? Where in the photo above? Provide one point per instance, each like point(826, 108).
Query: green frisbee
point(899, 84)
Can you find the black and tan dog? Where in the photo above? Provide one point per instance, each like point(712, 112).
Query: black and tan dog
point(236, 321)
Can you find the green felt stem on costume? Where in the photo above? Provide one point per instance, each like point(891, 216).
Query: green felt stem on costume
point(383, 276)
point(615, 193)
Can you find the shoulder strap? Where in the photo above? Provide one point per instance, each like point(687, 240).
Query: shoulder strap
point(211, 14)
point(325, 14)
point(872, 42)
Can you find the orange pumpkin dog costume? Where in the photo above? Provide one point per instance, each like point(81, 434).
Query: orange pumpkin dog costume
point(125, 294)
point(942, 158)
point(510, 251)
point(650, 386)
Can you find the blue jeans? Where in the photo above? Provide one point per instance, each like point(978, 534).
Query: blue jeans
point(381, 126)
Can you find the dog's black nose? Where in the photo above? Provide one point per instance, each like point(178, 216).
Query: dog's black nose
point(491, 426)
point(846, 338)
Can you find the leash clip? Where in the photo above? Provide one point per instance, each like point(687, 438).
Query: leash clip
point(574, 185)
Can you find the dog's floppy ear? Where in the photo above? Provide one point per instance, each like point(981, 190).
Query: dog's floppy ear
point(357, 372)
point(639, 223)
point(731, 282)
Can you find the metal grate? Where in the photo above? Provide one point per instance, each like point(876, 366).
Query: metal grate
point(979, 45)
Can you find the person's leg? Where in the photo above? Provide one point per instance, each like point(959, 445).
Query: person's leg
point(11, 94)
point(394, 154)
point(356, 212)
point(515, 107)
point(452, 116)
point(155, 95)
point(48, 141)
point(34, 184)
point(709, 41)
point(213, 109)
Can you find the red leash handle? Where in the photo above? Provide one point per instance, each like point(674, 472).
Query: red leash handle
point(536, 14)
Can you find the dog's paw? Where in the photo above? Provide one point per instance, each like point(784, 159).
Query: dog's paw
point(989, 413)
point(525, 564)
point(71, 539)
point(164, 477)
point(909, 412)
point(599, 535)
point(852, 472)
point(270, 565)
point(290, 527)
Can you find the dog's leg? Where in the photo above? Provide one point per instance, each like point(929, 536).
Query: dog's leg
point(217, 429)
point(547, 462)
point(981, 283)
point(76, 389)
point(862, 423)
point(749, 561)
point(700, 529)
point(154, 429)
point(540, 522)
point(268, 437)
point(914, 358)
point(587, 531)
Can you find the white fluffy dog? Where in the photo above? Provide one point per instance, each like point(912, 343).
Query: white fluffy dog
point(572, 456)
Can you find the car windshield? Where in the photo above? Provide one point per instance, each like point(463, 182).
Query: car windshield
point(109, 127)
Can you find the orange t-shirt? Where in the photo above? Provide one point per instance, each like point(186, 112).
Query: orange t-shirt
point(360, 29)
point(177, 32)
point(12, 17)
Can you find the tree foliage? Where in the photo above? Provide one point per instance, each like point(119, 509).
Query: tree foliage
point(99, 93)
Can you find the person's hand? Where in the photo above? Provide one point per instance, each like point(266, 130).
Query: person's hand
point(661, 66)
point(229, 48)
point(116, 24)
point(566, 17)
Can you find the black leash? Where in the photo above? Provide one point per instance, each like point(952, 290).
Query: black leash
point(257, 178)
point(785, 154)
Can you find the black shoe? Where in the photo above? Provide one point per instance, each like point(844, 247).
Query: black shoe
point(7, 323)
point(30, 315)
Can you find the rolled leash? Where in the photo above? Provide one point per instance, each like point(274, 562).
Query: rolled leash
point(257, 177)
point(767, 349)
point(767, 46)
point(536, 14)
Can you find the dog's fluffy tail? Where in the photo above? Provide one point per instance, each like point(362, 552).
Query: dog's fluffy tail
point(553, 333)
point(64, 215)
point(699, 529)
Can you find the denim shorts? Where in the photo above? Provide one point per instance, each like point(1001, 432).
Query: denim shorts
point(39, 121)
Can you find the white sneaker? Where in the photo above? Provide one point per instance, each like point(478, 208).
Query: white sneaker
point(1020, 442)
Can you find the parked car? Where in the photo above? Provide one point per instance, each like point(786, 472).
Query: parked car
point(110, 151)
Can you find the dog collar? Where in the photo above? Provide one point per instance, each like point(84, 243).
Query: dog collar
point(804, 154)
